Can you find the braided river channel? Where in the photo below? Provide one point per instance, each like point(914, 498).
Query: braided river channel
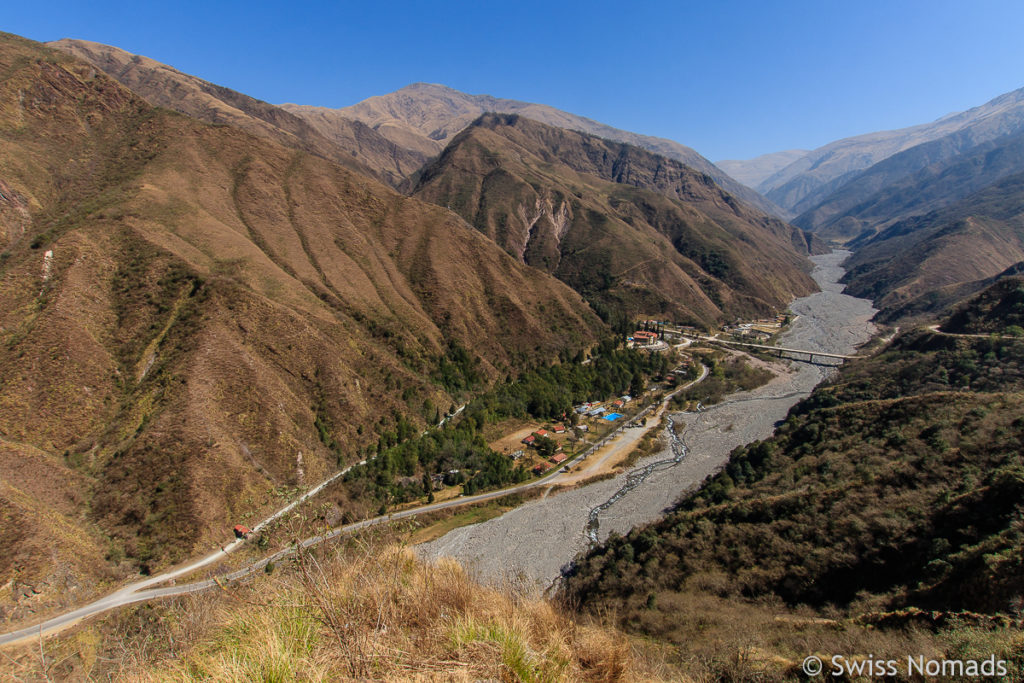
point(532, 544)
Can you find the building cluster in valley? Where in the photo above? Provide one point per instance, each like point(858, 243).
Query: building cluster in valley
point(758, 330)
point(660, 335)
point(546, 445)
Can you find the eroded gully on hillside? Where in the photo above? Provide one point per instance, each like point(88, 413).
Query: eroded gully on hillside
point(530, 545)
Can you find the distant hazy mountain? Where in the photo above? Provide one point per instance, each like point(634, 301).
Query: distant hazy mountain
point(914, 182)
point(630, 230)
point(806, 182)
point(975, 238)
point(752, 172)
point(424, 117)
point(348, 142)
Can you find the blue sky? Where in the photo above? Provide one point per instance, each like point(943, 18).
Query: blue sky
point(731, 79)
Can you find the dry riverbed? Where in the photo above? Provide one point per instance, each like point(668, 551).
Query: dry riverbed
point(532, 544)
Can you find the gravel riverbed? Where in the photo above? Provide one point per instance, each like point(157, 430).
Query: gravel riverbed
point(530, 546)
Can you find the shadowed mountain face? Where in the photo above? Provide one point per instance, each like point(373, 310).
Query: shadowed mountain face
point(193, 318)
point(424, 117)
point(913, 183)
point(809, 180)
point(347, 142)
point(630, 230)
point(970, 240)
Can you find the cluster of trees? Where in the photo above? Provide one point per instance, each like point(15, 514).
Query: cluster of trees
point(998, 310)
point(458, 370)
point(725, 376)
point(403, 472)
point(899, 484)
point(405, 464)
point(548, 393)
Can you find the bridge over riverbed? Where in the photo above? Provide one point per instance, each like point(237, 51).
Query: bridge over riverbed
point(781, 350)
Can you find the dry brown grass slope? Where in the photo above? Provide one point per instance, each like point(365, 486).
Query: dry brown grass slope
point(363, 612)
point(351, 143)
point(631, 230)
point(185, 307)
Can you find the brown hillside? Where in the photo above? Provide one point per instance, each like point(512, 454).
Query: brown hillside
point(629, 229)
point(918, 258)
point(425, 117)
point(351, 143)
point(185, 307)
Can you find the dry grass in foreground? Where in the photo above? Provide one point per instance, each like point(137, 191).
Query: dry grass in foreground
point(365, 611)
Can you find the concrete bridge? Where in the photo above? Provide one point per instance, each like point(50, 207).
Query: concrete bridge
point(781, 350)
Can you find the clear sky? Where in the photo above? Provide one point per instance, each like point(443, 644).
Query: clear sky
point(731, 79)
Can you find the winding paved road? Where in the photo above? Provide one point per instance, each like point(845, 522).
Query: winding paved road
point(141, 591)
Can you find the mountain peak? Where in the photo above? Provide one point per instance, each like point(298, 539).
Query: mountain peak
point(426, 116)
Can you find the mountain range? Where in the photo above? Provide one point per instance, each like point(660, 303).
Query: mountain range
point(629, 229)
point(207, 301)
point(193, 317)
point(932, 212)
point(425, 117)
point(391, 137)
point(805, 182)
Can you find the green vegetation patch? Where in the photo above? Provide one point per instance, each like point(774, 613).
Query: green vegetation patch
point(898, 484)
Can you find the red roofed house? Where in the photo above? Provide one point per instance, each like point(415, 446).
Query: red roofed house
point(529, 440)
point(559, 429)
point(559, 458)
point(644, 338)
point(242, 531)
point(542, 468)
point(542, 432)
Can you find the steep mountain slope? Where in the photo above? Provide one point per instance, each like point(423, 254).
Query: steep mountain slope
point(914, 182)
point(348, 142)
point(978, 237)
point(752, 172)
point(194, 321)
point(997, 310)
point(630, 230)
point(807, 181)
point(896, 486)
point(424, 117)
point(925, 307)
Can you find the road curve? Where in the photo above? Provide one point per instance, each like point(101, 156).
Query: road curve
point(141, 590)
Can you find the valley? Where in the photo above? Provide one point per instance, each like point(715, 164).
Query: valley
point(536, 542)
point(842, 317)
point(431, 385)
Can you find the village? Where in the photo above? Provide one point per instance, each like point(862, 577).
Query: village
point(544, 447)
